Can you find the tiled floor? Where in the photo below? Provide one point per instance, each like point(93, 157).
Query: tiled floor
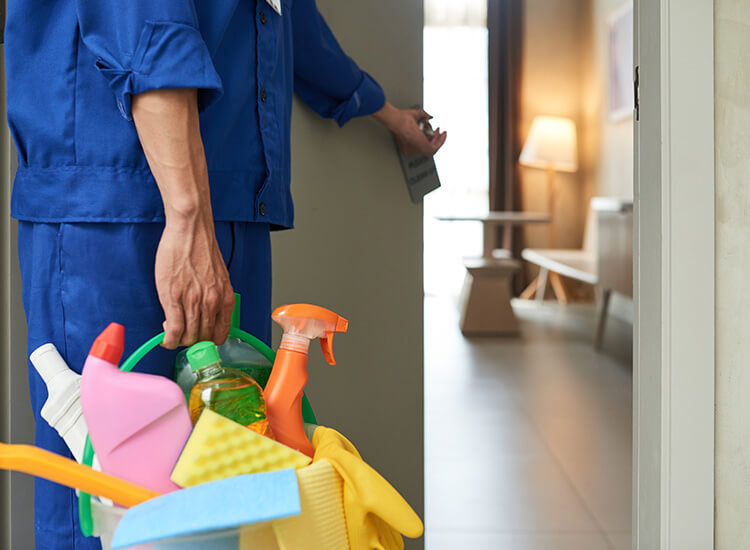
point(528, 440)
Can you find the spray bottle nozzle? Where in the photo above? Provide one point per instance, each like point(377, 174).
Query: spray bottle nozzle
point(305, 322)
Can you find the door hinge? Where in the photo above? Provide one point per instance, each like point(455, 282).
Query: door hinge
point(636, 92)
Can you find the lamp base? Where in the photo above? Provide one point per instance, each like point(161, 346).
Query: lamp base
point(551, 206)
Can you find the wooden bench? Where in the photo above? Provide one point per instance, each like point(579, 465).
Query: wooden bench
point(606, 259)
point(580, 265)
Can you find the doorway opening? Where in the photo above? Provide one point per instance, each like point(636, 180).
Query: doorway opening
point(455, 91)
point(528, 424)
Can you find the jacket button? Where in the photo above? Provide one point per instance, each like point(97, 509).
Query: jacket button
point(263, 95)
point(263, 18)
point(262, 209)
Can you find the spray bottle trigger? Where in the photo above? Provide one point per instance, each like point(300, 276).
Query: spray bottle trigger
point(326, 344)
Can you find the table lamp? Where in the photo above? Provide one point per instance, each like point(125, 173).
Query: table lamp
point(551, 145)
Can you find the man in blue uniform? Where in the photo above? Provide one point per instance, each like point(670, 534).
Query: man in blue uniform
point(153, 149)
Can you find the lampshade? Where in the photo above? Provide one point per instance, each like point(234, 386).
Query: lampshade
point(551, 144)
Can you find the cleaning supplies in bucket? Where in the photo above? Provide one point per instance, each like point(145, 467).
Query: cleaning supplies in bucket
point(41, 463)
point(211, 508)
point(343, 504)
point(301, 324)
point(106, 518)
point(219, 448)
point(255, 359)
point(229, 392)
point(222, 507)
point(322, 523)
point(235, 354)
point(138, 423)
point(88, 525)
point(62, 410)
point(376, 514)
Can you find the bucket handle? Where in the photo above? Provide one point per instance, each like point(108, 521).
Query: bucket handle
point(84, 499)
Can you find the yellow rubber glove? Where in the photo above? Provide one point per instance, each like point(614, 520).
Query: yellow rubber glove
point(376, 514)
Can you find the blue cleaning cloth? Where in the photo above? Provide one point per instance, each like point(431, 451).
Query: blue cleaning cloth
point(224, 504)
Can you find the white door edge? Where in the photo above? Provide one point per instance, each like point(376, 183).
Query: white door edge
point(673, 431)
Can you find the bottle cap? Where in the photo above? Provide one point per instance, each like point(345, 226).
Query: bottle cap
point(110, 344)
point(48, 362)
point(202, 355)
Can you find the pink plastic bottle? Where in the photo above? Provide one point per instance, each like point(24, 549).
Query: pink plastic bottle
point(138, 423)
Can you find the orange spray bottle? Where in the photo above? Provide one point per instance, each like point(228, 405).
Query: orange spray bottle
point(301, 323)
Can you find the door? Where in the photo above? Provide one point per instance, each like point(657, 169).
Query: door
point(16, 421)
point(674, 276)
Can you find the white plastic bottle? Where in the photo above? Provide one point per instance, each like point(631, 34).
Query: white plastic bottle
point(62, 410)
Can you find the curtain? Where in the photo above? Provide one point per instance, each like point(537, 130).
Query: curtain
point(505, 27)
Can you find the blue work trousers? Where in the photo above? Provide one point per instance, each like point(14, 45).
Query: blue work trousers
point(78, 278)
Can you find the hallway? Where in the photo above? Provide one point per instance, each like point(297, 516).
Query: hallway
point(527, 440)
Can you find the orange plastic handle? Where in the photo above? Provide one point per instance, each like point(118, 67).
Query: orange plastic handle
point(41, 463)
point(310, 311)
point(301, 318)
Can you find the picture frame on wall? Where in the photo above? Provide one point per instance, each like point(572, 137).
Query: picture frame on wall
point(620, 63)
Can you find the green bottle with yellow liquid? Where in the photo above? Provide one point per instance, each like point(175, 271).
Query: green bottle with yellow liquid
point(226, 391)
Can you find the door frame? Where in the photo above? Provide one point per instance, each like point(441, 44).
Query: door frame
point(673, 425)
point(5, 310)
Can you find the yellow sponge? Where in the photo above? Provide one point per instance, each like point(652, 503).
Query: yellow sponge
point(322, 523)
point(219, 448)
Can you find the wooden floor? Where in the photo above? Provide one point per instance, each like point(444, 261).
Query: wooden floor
point(528, 440)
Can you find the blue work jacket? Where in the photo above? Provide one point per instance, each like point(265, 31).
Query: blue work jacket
point(73, 66)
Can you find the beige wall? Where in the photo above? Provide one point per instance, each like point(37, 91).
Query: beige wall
point(554, 39)
point(609, 143)
point(732, 84)
point(565, 73)
point(357, 248)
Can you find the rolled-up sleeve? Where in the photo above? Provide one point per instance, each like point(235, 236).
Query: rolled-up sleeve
point(144, 45)
point(328, 80)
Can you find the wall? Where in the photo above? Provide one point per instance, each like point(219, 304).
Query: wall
point(565, 73)
point(732, 111)
point(357, 248)
point(554, 39)
point(608, 144)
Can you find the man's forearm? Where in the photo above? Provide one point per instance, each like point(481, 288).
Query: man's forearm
point(191, 278)
point(388, 116)
point(169, 130)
